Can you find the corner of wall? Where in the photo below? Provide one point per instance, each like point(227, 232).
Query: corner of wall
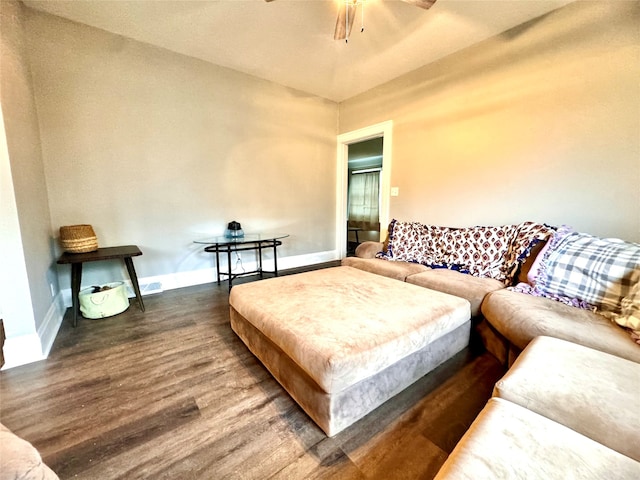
point(22, 350)
point(33, 347)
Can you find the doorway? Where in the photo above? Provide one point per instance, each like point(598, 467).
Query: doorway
point(364, 166)
point(383, 132)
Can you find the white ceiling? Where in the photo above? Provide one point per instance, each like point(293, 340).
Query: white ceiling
point(291, 41)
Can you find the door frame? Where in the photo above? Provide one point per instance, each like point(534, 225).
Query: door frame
point(384, 130)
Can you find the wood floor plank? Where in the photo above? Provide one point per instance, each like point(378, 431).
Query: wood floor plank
point(399, 453)
point(173, 393)
point(322, 460)
point(400, 449)
point(74, 460)
point(465, 399)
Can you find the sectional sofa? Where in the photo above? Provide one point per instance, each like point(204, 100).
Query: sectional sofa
point(452, 260)
point(562, 310)
point(562, 411)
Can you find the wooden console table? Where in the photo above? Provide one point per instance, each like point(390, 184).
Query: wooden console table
point(110, 253)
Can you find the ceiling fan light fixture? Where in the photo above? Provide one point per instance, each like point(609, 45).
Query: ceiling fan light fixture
point(347, 10)
point(352, 4)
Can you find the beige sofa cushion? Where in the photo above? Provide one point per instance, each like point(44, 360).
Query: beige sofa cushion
point(20, 460)
point(459, 284)
point(362, 323)
point(507, 441)
point(593, 393)
point(396, 270)
point(520, 318)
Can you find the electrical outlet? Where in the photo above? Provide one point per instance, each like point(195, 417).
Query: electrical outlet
point(395, 191)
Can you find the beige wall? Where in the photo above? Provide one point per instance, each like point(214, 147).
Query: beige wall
point(154, 148)
point(541, 123)
point(29, 240)
point(157, 149)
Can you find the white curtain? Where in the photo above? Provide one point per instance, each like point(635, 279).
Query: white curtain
point(364, 200)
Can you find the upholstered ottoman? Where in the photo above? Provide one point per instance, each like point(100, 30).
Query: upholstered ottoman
point(342, 341)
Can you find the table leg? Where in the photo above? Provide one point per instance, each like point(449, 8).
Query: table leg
point(76, 278)
point(218, 264)
point(229, 266)
point(275, 257)
point(128, 261)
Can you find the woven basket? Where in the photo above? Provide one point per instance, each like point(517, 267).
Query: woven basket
point(78, 239)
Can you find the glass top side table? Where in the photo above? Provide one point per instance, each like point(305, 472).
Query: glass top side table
point(250, 241)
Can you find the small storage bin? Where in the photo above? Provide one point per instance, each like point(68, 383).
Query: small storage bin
point(104, 303)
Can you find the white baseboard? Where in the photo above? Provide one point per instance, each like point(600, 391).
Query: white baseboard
point(34, 347)
point(22, 350)
point(51, 324)
point(284, 263)
point(305, 260)
point(172, 281)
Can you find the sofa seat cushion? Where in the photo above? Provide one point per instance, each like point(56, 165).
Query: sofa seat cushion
point(459, 284)
point(510, 441)
point(591, 392)
point(396, 270)
point(520, 318)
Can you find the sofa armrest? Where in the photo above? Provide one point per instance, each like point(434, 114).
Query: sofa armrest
point(20, 459)
point(369, 249)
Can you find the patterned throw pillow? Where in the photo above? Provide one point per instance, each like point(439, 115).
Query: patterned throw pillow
point(407, 242)
point(480, 251)
point(598, 271)
point(490, 252)
point(526, 236)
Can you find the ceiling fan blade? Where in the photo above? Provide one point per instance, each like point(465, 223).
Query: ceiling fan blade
point(426, 4)
point(341, 27)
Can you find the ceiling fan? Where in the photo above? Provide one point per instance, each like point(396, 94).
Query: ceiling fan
point(347, 14)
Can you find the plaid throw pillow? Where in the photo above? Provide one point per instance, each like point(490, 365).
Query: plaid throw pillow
point(541, 272)
point(598, 271)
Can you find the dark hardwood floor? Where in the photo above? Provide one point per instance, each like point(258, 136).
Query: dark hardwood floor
point(173, 393)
